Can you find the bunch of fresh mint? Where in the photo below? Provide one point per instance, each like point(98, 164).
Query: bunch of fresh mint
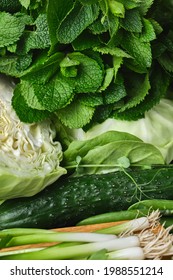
point(86, 60)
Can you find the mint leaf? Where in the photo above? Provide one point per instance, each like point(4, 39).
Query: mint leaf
point(68, 67)
point(139, 86)
point(115, 92)
point(39, 38)
point(12, 48)
point(141, 51)
point(95, 56)
point(130, 4)
point(91, 99)
point(109, 74)
point(145, 6)
point(157, 27)
point(148, 32)
point(55, 94)
point(27, 91)
point(132, 21)
point(25, 18)
point(80, 43)
point(76, 21)
point(25, 3)
point(43, 68)
point(117, 62)
point(51, 96)
point(99, 27)
point(11, 29)
point(113, 23)
point(75, 115)
point(102, 113)
point(159, 82)
point(134, 66)
point(15, 65)
point(68, 62)
point(90, 75)
point(24, 112)
point(109, 18)
point(104, 8)
point(56, 12)
point(113, 51)
point(116, 8)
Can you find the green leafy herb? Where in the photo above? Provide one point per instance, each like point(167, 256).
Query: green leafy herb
point(56, 13)
point(39, 38)
point(25, 3)
point(141, 51)
point(11, 29)
point(15, 65)
point(86, 61)
point(90, 74)
point(137, 83)
point(77, 21)
point(75, 115)
point(26, 113)
point(132, 21)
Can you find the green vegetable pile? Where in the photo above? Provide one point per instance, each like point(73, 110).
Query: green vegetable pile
point(85, 90)
point(96, 59)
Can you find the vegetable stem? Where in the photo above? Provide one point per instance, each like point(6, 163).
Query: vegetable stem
point(23, 231)
point(135, 253)
point(55, 253)
point(59, 237)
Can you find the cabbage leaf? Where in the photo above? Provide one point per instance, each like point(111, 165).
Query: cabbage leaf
point(155, 128)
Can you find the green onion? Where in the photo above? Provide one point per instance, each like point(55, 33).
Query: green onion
point(135, 253)
point(23, 231)
point(20, 251)
point(144, 244)
point(71, 252)
point(133, 225)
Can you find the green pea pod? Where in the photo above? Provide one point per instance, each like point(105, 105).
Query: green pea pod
point(165, 206)
point(114, 217)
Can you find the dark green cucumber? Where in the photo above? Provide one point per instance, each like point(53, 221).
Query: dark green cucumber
point(70, 200)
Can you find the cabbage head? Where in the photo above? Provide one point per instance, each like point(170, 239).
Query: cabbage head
point(155, 128)
point(29, 156)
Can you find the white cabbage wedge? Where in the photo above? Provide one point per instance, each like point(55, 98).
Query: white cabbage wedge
point(29, 156)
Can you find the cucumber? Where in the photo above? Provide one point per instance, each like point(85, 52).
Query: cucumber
point(72, 199)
